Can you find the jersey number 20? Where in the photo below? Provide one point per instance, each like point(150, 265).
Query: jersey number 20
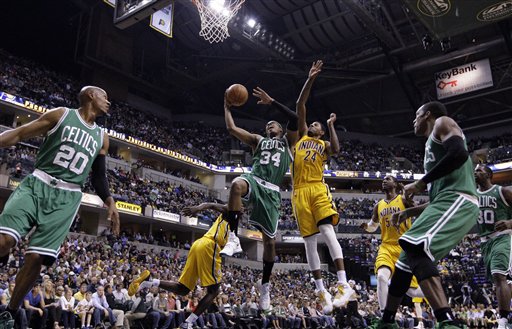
point(70, 159)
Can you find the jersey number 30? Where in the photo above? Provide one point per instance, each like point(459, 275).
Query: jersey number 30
point(486, 217)
point(68, 158)
point(265, 158)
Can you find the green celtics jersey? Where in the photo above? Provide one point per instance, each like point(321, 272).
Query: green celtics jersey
point(69, 149)
point(493, 208)
point(271, 159)
point(460, 180)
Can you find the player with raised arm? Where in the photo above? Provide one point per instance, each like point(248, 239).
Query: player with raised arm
point(259, 190)
point(203, 263)
point(443, 223)
point(312, 203)
point(49, 198)
point(495, 228)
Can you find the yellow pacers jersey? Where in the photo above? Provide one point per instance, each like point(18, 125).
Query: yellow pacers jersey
point(308, 163)
point(385, 209)
point(218, 232)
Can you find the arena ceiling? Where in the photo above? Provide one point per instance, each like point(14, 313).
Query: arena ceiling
point(376, 69)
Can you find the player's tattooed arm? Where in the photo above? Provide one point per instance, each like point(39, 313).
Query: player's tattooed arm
point(35, 128)
point(192, 210)
point(241, 134)
point(315, 69)
point(333, 146)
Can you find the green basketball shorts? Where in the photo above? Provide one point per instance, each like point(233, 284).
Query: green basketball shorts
point(441, 226)
point(50, 209)
point(496, 255)
point(264, 200)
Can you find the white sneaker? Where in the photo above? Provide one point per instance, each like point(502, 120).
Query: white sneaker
point(420, 326)
point(232, 246)
point(264, 295)
point(325, 301)
point(343, 293)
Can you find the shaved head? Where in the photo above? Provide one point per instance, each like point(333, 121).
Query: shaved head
point(86, 92)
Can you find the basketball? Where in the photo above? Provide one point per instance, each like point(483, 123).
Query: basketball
point(237, 95)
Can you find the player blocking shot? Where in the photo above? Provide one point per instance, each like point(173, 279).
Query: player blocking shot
point(49, 198)
point(495, 229)
point(259, 190)
point(312, 203)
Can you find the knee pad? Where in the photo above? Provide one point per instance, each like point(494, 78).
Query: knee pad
point(400, 283)
point(383, 275)
point(419, 262)
point(327, 231)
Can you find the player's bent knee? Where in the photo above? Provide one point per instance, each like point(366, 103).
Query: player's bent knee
point(383, 275)
point(213, 289)
point(499, 278)
point(421, 265)
point(6, 243)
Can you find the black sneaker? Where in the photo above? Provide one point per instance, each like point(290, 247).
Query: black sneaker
point(6, 320)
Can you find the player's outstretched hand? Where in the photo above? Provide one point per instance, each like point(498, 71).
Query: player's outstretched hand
point(332, 119)
point(413, 188)
point(363, 226)
point(398, 218)
point(265, 99)
point(226, 103)
point(191, 211)
point(315, 69)
point(113, 215)
point(503, 225)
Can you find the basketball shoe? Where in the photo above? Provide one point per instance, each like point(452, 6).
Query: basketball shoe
point(379, 324)
point(6, 320)
point(325, 301)
point(343, 293)
point(232, 246)
point(134, 285)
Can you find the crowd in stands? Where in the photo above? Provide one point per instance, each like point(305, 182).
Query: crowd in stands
point(88, 285)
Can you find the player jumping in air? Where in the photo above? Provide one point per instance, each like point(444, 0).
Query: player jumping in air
point(312, 203)
point(259, 190)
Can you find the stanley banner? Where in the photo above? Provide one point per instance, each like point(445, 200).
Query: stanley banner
point(446, 18)
point(162, 20)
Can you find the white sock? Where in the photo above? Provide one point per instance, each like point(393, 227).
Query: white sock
point(342, 276)
point(319, 284)
point(191, 318)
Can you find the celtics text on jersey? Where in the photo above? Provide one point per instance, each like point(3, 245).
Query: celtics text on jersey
point(271, 159)
point(493, 208)
point(69, 149)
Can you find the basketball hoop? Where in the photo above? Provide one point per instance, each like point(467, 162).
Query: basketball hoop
point(215, 16)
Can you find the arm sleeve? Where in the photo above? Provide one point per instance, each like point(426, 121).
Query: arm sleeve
point(291, 116)
point(99, 177)
point(456, 156)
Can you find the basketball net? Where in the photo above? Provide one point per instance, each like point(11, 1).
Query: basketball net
point(215, 16)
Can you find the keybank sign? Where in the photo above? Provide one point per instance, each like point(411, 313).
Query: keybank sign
point(463, 79)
